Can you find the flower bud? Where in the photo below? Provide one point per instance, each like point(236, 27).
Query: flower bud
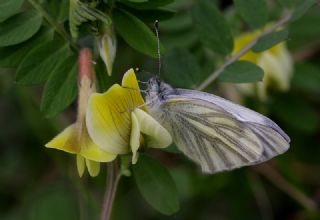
point(107, 44)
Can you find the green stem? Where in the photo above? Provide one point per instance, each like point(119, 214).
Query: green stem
point(113, 177)
point(52, 22)
point(248, 47)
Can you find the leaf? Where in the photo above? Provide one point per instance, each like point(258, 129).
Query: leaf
point(19, 28)
point(211, 27)
point(302, 9)
point(138, 1)
point(81, 12)
point(287, 3)
point(181, 68)
point(59, 12)
point(254, 12)
point(9, 8)
point(307, 78)
point(41, 61)
point(150, 4)
point(270, 40)
point(241, 72)
point(135, 33)
point(11, 57)
point(61, 87)
point(150, 15)
point(296, 113)
point(156, 185)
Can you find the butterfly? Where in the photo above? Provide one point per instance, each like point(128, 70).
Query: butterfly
point(213, 132)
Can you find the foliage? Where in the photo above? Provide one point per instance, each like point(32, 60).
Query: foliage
point(39, 45)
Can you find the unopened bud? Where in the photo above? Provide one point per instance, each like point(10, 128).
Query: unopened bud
point(85, 64)
point(107, 44)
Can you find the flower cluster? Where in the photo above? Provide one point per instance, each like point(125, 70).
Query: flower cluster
point(276, 63)
point(109, 124)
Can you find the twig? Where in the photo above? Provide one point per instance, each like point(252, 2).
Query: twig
point(277, 179)
point(113, 177)
point(261, 196)
point(248, 47)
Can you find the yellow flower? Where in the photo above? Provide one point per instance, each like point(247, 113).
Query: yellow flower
point(117, 124)
point(109, 124)
point(276, 63)
point(75, 138)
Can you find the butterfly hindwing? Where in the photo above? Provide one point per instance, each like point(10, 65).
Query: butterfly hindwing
point(210, 136)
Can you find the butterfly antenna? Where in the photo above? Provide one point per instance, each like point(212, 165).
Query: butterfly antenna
point(156, 26)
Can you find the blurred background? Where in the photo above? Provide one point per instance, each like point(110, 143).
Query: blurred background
point(41, 183)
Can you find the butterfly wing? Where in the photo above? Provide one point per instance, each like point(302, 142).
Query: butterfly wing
point(273, 139)
point(215, 135)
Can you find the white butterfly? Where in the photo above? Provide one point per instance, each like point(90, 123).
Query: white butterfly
point(213, 132)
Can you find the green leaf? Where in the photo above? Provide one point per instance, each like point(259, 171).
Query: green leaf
point(59, 12)
point(296, 113)
point(150, 15)
point(212, 28)
point(156, 185)
point(19, 28)
point(81, 12)
point(241, 72)
point(61, 87)
point(150, 4)
point(135, 33)
point(302, 9)
point(138, 1)
point(254, 12)
point(9, 8)
point(287, 3)
point(307, 78)
point(270, 40)
point(12, 56)
point(41, 61)
point(181, 69)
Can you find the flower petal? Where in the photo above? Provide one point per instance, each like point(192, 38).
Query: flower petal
point(91, 151)
point(241, 42)
point(66, 140)
point(93, 167)
point(134, 137)
point(108, 115)
point(80, 165)
point(158, 136)
point(129, 82)
point(108, 119)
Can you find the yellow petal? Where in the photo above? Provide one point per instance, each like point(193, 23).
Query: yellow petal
point(134, 137)
point(241, 42)
point(66, 140)
point(80, 165)
point(108, 115)
point(158, 136)
point(93, 167)
point(108, 119)
point(135, 157)
point(91, 151)
point(129, 82)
